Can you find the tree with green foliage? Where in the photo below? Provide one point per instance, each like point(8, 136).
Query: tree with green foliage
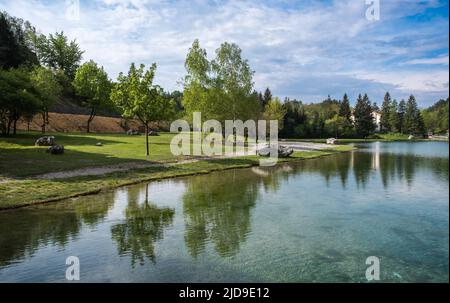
point(345, 112)
point(420, 124)
point(177, 98)
point(385, 119)
point(375, 107)
point(221, 89)
point(137, 97)
point(344, 109)
point(295, 116)
point(261, 101)
point(275, 110)
point(336, 126)
point(93, 85)
point(436, 117)
point(57, 52)
point(401, 116)
point(394, 119)
point(49, 90)
point(413, 119)
point(15, 48)
point(233, 79)
point(364, 124)
point(198, 95)
point(18, 98)
point(266, 97)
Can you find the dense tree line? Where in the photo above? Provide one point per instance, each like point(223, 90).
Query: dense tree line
point(336, 118)
point(403, 117)
point(329, 118)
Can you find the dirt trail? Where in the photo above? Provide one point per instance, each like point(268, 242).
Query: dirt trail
point(95, 171)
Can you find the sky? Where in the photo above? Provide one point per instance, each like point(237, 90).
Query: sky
point(301, 49)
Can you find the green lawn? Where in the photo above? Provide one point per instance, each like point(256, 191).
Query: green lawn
point(20, 160)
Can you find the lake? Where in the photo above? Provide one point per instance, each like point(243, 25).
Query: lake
point(310, 221)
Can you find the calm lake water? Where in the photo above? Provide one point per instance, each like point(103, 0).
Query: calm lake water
point(313, 221)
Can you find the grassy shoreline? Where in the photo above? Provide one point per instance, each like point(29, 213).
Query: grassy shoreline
point(26, 192)
point(391, 137)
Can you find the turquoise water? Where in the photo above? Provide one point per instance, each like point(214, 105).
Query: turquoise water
point(313, 221)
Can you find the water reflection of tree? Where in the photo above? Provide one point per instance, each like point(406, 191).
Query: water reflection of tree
point(401, 167)
point(144, 225)
point(217, 208)
point(362, 167)
point(329, 167)
point(23, 231)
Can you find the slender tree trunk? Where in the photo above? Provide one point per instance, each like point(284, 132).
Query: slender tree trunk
point(15, 126)
point(146, 140)
point(43, 123)
point(9, 127)
point(44, 120)
point(10, 120)
point(91, 117)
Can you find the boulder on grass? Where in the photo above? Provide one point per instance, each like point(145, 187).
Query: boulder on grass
point(55, 149)
point(283, 151)
point(331, 140)
point(45, 141)
point(132, 132)
point(153, 133)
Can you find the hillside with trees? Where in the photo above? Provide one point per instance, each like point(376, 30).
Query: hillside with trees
point(436, 117)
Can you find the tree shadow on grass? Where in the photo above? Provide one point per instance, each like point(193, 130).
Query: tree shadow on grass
point(28, 139)
point(28, 162)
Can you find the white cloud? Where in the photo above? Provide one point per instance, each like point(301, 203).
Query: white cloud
point(410, 81)
point(436, 60)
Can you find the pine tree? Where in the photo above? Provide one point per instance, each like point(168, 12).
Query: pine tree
point(420, 126)
point(385, 113)
point(261, 101)
point(375, 107)
point(394, 119)
point(344, 109)
point(401, 116)
point(267, 97)
point(364, 124)
point(413, 119)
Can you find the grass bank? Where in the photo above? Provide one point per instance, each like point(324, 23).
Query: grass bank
point(20, 161)
point(390, 137)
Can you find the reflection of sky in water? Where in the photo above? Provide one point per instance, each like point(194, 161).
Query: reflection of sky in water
point(317, 220)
